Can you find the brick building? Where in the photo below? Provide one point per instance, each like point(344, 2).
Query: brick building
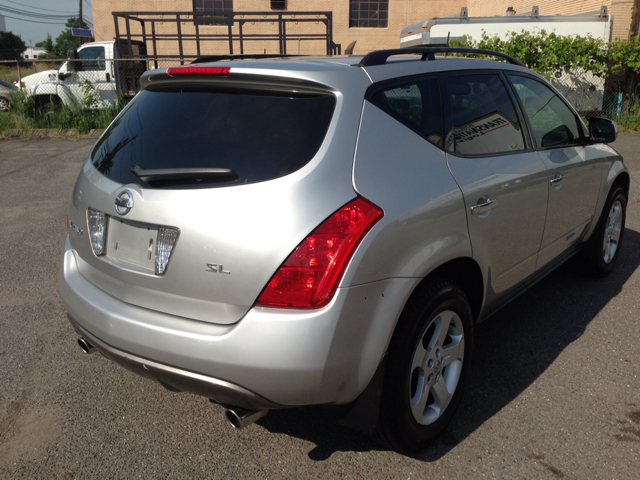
point(374, 24)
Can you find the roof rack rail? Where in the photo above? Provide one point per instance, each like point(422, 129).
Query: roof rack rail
point(379, 57)
point(219, 58)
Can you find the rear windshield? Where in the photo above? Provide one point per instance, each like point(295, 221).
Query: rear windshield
point(257, 137)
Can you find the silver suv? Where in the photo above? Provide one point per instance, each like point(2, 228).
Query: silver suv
point(279, 232)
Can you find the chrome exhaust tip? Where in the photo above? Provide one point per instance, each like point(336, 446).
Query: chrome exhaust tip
point(241, 417)
point(86, 346)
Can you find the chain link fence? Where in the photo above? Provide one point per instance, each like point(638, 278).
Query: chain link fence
point(621, 97)
point(102, 83)
point(88, 82)
point(584, 90)
point(593, 95)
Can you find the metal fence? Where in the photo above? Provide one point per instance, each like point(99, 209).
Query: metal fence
point(89, 82)
point(593, 95)
point(70, 81)
point(621, 97)
point(308, 32)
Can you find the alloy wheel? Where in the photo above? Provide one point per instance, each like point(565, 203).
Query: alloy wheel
point(612, 232)
point(436, 367)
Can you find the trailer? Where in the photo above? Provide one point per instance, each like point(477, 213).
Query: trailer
point(583, 90)
point(436, 32)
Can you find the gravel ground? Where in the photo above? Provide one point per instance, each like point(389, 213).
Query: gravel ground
point(555, 387)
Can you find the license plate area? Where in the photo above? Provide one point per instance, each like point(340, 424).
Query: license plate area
point(132, 243)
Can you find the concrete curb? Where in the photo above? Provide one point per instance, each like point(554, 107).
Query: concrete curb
point(50, 133)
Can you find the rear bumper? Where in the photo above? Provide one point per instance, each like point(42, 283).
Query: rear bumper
point(272, 358)
point(180, 380)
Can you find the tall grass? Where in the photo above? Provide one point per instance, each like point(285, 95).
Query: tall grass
point(630, 122)
point(25, 114)
point(9, 70)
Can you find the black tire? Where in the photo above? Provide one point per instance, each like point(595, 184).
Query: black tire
point(608, 233)
point(434, 305)
point(4, 104)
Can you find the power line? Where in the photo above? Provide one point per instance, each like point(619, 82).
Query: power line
point(24, 13)
point(39, 8)
point(40, 16)
point(33, 21)
point(45, 23)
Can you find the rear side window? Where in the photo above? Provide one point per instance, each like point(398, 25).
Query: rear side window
point(257, 136)
point(552, 122)
point(483, 116)
point(416, 104)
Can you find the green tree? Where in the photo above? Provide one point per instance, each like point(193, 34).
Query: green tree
point(46, 44)
point(11, 46)
point(550, 53)
point(624, 56)
point(624, 59)
point(66, 41)
point(547, 53)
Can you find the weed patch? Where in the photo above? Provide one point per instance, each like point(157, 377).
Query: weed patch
point(25, 114)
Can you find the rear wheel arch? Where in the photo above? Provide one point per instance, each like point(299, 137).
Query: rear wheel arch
point(427, 365)
point(465, 273)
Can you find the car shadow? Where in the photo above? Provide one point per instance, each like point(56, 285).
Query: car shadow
point(512, 349)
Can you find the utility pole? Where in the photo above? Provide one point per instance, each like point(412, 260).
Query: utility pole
point(635, 19)
point(81, 22)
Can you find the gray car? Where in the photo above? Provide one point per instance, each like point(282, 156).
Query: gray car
point(280, 232)
point(6, 89)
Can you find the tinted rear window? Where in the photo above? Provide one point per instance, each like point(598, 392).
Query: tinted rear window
point(258, 136)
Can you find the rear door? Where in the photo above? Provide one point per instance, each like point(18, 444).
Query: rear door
point(574, 175)
point(503, 180)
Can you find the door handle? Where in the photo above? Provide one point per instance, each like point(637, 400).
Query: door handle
point(556, 181)
point(483, 205)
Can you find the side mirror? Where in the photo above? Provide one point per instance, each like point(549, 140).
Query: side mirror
point(602, 130)
point(73, 64)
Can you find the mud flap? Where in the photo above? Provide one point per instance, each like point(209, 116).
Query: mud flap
point(361, 414)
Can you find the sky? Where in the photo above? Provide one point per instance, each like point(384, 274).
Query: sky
point(25, 25)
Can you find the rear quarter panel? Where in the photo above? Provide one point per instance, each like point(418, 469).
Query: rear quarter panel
point(424, 223)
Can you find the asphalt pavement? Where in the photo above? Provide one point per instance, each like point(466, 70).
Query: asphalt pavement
point(554, 390)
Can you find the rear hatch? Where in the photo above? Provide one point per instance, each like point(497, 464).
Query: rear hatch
point(198, 191)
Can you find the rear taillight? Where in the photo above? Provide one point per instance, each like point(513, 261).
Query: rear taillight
point(220, 71)
point(310, 275)
point(97, 223)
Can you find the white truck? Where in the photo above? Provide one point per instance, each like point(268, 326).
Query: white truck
point(90, 70)
point(584, 91)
